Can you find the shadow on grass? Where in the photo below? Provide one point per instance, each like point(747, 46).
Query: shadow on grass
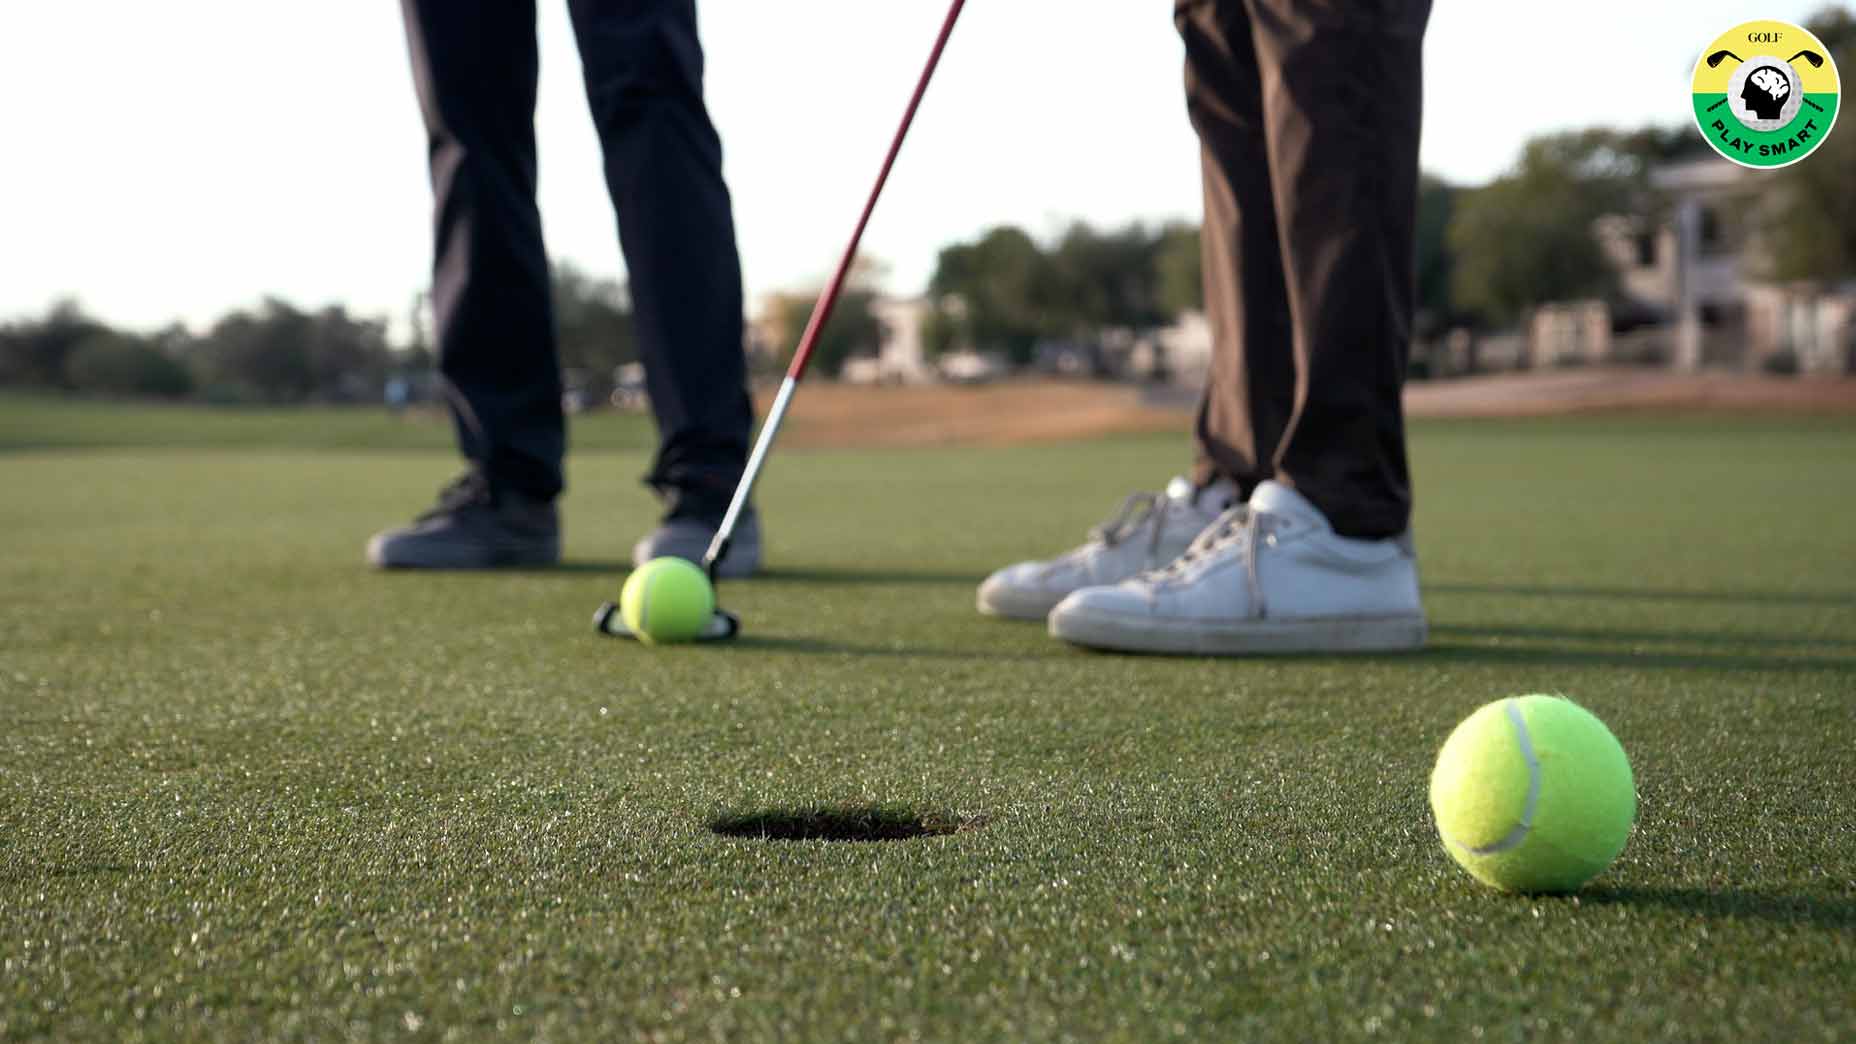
point(1613, 634)
point(1562, 656)
point(840, 823)
point(1839, 598)
point(821, 647)
point(826, 575)
point(618, 569)
point(577, 568)
point(1819, 911)
point(1446, 652)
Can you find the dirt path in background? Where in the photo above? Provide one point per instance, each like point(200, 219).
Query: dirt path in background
point(827, 414)
point(1615, 391)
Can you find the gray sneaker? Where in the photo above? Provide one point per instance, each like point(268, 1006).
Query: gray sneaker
point(473, 527)
point(688, 538)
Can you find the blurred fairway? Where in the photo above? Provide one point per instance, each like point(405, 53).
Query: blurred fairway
point(250, 789)
point(41, 422)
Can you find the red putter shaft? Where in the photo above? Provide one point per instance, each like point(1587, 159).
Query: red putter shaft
point(821, 313)
point(828, 299)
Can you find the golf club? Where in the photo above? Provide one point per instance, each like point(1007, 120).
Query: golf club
point(1816, 60)
point(724, 624)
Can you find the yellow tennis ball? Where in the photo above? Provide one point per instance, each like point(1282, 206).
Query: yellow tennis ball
point(1533, 794)
point(667, 600)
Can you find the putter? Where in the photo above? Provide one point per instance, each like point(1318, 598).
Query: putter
point(724, 624)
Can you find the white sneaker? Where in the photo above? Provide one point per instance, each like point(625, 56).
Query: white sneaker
point(1150, 530)
point(1269, 577)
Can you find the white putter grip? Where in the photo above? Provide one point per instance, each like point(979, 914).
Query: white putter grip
point(757, 458)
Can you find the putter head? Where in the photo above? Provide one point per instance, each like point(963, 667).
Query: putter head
point(1715, 59)
point(1816, 60)
point(722, 626)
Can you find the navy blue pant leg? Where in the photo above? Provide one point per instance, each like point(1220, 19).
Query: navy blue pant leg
point(475, 66)
point(644, 75)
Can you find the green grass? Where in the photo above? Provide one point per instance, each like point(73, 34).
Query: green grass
point(44, 422)
point(250, 790)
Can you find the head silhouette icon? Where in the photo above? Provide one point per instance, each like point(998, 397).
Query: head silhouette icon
point(1765, 92)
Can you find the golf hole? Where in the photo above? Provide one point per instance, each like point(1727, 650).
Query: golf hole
point(841, 823)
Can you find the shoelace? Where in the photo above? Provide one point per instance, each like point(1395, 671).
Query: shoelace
point(1238, 526)
point(1136, 509)
point(468, 489)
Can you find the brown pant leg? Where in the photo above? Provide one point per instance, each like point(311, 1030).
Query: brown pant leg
point(1250, 391)
point(1341, 102)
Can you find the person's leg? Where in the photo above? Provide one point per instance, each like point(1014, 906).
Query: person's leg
point(475, 66)
point(1342, 93)
point(644, 70)
point(1318, 559)
point(1250, 391)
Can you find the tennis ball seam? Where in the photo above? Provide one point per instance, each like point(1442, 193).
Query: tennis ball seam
point(644, 602)
point(1519, 832)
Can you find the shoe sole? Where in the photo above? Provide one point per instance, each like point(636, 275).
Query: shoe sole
point(1402, 632)
point(1015, 605)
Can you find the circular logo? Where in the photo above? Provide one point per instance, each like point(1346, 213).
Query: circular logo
point(1765, 94)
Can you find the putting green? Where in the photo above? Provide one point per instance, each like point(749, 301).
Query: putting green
point(250, 789)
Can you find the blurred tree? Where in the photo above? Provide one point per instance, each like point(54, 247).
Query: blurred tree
point(1436, 204)
point(417, 355)
point(281, 354)
point(1527, 238)
point(1010, 294)
point(284, 355)
point(1814, 234)
point(262, 356)
point(944, 326)
point(1106, 279)
point(1180, 262)
point(34, 352)
point(416, 358)
point(1005, 293)
point(594, 319)
point(1835, 28)
point(853, 329)
point(109, 362)
point(1648, 146)
point(349, 358)
point(276, 353)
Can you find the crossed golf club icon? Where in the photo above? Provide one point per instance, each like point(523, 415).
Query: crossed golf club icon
point(1816, 60)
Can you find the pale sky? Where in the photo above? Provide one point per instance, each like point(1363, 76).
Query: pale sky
point(174, 160)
